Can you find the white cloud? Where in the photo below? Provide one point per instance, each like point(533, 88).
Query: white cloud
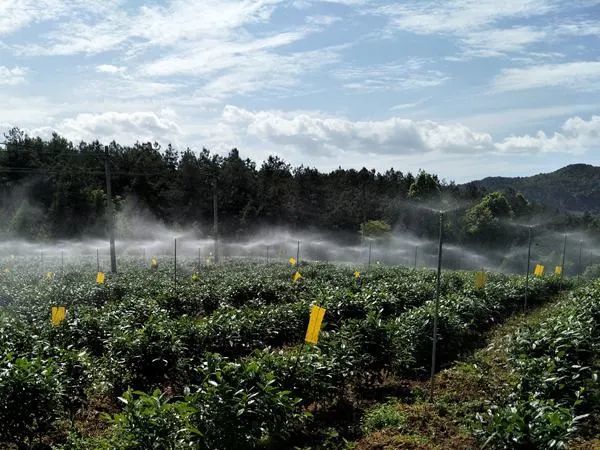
point(178, 23)
point(13, 76)
point(488, 28)
point(18, 14)
point(461, 16)
point(581, 75)
point(576, 136)
point(411, 74)
point(314, 134)
point(109, 68)
point(125, 128)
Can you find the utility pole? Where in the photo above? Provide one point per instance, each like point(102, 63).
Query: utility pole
point(215, 221)
point(436, 310)
point(111, 218)
point(528, 268)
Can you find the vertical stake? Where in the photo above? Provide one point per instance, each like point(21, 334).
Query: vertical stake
point(562, 272)
point(62, 261)
point(175, 263)
point(216, 221)
point(298, 255)
point(370, 250)
point(580, 257)
point(528, 268)
point(267, 254)
point(110, 212)
point(97, 260)
point(436, 310)
point(416, 254)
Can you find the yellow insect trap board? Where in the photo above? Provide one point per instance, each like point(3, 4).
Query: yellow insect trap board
point(50, 275)
point(558, 270)
point(297, 276)
point(314, 325)
point(154, 263)
point(539, 270)
point(357, 274)
point(292, 261)
point(100, 278)
point(57, 315)
point(480, 280)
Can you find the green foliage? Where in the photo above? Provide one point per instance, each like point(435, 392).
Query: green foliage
point(557, 368)
point(381, 417)
point(30, 398)
point(483, 220)
point(425, 187)
point(377, 229)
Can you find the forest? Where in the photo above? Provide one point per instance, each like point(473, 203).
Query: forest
point(56, 189)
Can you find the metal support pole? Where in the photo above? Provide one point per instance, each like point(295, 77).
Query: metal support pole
point(436, 310)
point(298, 255)
point(370, 250)
point(216, 221)
point(562, 272)
point(416, 254)
point(175, 263)
point(62, 261)
point(580, 257)
point(110, 212)
point(267, 254)
point(97, 260)
point(528, 268)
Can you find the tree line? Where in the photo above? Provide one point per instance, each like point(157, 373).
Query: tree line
point(56, 189)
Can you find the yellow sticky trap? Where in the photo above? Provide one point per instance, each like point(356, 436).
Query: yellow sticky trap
point(314, 324)
point(480, 280)
point(539, 270)
point(50, 275)
point(100, 278)
point(296, 276)
point(357, 274)
point(57, 315)
point(195, 277)
point(7, 270)
point(154, 263)
point(558, 270)
point(292, 261)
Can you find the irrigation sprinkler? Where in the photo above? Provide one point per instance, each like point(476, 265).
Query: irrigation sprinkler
point(528, 266)
point(562, 270)
point(437, 306)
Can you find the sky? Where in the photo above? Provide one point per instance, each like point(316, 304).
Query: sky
point(465, 88)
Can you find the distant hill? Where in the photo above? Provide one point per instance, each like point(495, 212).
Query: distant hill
point(574, 188)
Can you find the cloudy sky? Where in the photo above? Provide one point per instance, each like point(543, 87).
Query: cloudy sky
point(463, 88)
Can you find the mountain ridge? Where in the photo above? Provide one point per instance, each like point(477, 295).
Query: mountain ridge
point(574, 188)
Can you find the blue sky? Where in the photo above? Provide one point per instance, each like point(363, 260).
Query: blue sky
point(464, 88)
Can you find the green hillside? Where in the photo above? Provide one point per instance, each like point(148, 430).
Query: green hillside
point(574, 188)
